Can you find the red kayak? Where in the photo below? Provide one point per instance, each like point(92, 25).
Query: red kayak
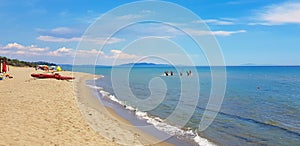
point(54, 76)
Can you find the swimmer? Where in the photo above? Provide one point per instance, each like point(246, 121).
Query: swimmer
point(166, 73)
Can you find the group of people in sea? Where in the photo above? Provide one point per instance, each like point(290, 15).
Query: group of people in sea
point(188, 73)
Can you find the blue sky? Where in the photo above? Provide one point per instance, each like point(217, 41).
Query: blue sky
point(248, 31)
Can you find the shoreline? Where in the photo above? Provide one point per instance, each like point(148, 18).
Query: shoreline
point(105, 121)
point(128, 113)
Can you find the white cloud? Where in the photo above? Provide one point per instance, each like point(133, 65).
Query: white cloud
point(154, 30)
point(60, 34)
point(92, 52)
point(259, 23)
point(63, 30)
point(118, 54)
point(20, 53)
point(65, 34)
point(129, 17)
point(59, 31)
point(114, 54)
point(101, 41)
point(279, 14)
point(116, 51)
point(168, 32)
point(159, 37)
point(62, 51)
point(14, 46)
point(217, 33)
point(98, 41)
point(227, 33)
point(4, 52)
point(34, 48)
point(179, 24)
point(19, 49)
point(215, 22)
point(58, 39)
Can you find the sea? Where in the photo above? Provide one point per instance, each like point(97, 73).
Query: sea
point(261, 104)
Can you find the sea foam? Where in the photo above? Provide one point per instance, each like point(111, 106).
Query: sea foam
point(157, 122)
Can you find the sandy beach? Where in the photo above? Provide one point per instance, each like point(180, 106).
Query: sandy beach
point(56, 112)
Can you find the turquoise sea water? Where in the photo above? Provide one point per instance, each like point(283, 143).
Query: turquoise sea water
point(248, 116)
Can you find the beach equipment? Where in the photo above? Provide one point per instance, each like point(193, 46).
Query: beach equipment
point(42, 75)
point(43, 67)
point(58, 68)
point(2, 77)
point(53, 76)
point(52, 67)
point(8, 76)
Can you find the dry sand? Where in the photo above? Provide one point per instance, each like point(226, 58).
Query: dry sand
point(47, 112)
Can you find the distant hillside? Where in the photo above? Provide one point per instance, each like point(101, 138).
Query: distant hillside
point(16, 62)
point(252, 64)
point(144, 64)
point(248, 64)
point(44, 63)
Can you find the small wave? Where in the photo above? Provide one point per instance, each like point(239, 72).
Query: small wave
point(94, 87)
point(104, 93)
point(159, 123)
point(99, 76)
point(130, 108)
point(202, 141)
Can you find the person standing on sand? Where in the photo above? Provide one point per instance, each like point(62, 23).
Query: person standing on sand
point(4, 67)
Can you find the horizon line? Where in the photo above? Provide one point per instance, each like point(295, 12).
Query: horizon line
point(167, 65)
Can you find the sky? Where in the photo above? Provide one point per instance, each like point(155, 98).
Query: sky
point(233, 32)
